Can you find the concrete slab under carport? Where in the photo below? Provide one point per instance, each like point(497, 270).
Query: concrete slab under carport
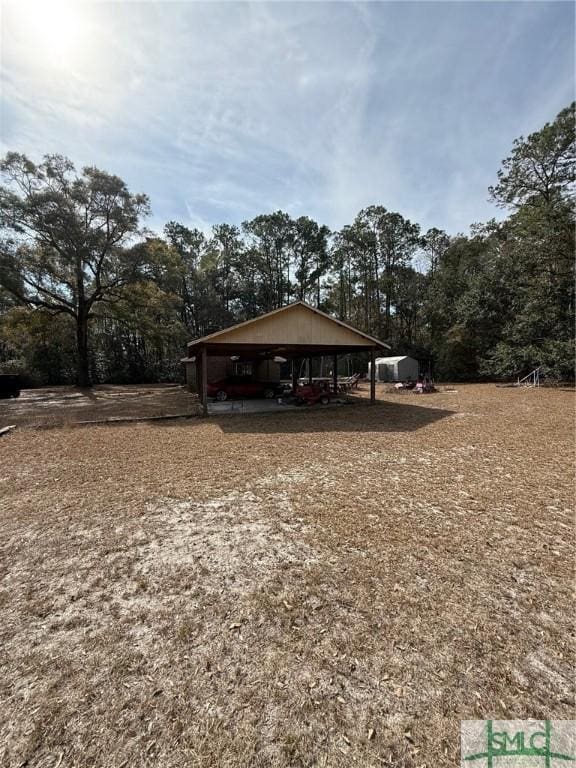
point(216, 408)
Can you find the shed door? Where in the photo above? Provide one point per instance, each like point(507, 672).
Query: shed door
point(383, 372)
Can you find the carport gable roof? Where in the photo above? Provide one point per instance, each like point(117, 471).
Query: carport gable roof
point(294, 330)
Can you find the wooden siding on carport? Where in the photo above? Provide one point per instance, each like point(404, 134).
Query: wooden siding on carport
point(296, 324)
point(220, 367)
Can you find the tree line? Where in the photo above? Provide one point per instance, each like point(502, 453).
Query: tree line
point(87, 294)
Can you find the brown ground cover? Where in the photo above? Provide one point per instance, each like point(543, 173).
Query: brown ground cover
point(318, 588)
point(56, 406)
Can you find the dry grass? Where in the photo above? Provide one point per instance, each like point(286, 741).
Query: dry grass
point(58, 406)
point(319, 588)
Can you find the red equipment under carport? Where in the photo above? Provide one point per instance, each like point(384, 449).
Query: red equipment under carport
point(313, 393)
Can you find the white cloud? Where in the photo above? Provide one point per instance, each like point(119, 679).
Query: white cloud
point(223, 111)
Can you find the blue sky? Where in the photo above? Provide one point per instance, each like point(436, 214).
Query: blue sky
point(222, 111)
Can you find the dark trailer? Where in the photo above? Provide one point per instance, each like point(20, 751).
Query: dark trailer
point(9, 385)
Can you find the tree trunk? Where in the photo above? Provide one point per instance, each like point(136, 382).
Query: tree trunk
point(388, 303)
point(378, 297)
point(83, 364)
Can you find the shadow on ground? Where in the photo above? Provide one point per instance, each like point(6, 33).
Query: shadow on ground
point(357, 417)
point(58, 406)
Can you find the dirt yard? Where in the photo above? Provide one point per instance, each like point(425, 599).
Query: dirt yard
point(321, 588)
point(59, 406)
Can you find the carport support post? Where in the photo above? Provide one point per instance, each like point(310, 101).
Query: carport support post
point(295, 364)
point(309, 370)
point(335, 374)
point(204, 381)
point(372, 376)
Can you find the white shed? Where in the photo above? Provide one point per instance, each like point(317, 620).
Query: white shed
point(398, 368)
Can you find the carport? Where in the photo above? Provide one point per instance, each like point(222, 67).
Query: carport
point(295, 332)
